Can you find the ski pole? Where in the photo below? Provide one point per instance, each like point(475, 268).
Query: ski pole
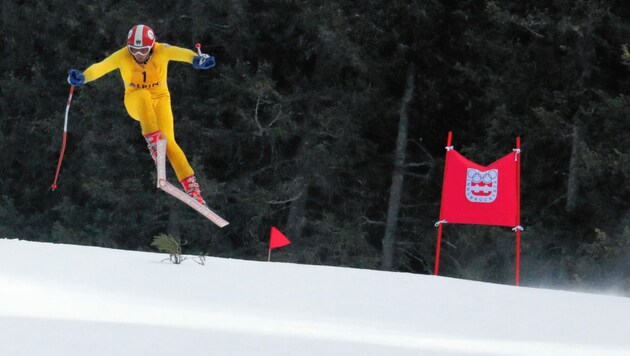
point(63, 142)
point(198, 46)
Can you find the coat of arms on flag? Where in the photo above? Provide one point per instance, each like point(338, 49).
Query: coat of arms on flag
point(481, 187)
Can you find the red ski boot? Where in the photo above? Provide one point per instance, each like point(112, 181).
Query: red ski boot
point(192, 188)
point(152, 140)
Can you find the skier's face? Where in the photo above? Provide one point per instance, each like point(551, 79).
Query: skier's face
point(140, 54)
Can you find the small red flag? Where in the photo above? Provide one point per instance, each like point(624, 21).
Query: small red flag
point(277, 239)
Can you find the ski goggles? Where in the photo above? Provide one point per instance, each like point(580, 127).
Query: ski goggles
point(143, 50)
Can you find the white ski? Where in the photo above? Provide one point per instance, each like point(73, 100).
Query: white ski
point(163, 184)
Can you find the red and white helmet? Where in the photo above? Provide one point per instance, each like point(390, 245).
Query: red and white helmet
point(141, 38)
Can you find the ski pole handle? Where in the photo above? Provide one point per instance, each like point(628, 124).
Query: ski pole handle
point(198, 46)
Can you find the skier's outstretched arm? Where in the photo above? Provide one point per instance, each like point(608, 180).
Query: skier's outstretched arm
point(202, 61)
point(96, 70)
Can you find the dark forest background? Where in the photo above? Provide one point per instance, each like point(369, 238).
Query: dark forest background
point(328, 119)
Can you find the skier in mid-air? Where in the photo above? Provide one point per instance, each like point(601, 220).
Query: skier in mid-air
point(143, 65)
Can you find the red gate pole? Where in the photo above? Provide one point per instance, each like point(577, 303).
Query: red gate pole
point(518, 211)
point(436, 269)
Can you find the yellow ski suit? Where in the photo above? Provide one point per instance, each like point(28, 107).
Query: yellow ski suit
point(147, 98)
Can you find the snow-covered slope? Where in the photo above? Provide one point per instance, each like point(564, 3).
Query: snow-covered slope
point(72, 300)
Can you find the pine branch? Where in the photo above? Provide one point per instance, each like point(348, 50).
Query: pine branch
point(168, 244)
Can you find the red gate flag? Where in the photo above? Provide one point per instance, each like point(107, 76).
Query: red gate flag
point(277, 239)
point(474, 194)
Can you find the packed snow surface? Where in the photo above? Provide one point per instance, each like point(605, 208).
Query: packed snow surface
point(75, 301)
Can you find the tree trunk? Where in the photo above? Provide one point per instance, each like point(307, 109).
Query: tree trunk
point(395, 191)
point(586, 56)
point(573, 183)
point(298, 192)
point(297, 210)
point(173, 227)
